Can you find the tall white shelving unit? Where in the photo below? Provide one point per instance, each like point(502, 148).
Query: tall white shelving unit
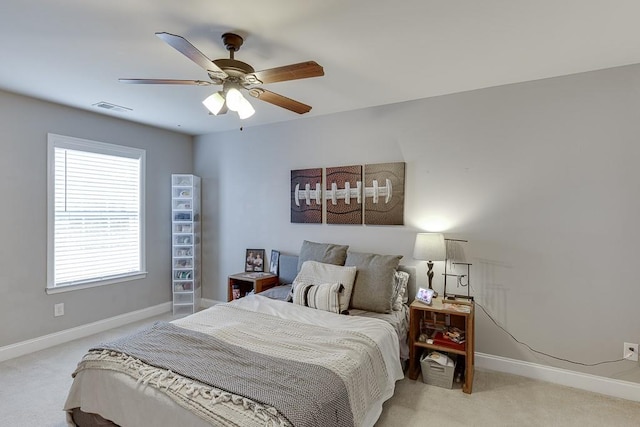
point(185, 240)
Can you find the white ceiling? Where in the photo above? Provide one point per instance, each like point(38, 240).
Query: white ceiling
point(373, 52)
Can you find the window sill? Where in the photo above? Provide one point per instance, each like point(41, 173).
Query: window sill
point(93, 284)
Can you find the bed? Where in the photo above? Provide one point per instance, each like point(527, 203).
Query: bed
point(256, 361)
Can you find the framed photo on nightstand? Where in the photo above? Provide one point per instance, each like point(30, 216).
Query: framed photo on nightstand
point(273, 262)
point(254, 260)
point(425, 295)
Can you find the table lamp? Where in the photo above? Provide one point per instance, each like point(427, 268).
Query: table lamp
point(429, 247)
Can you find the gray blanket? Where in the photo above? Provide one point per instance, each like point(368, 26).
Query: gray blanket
point(306, 394)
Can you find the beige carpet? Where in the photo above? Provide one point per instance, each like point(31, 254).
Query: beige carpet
point(33, 389)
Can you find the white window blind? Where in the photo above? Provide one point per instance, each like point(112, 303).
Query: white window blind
point(96, 218)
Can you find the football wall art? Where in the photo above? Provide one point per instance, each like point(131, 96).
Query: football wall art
point(373, 195)
point(384, 194)
point(306, 196)
point(343, 194)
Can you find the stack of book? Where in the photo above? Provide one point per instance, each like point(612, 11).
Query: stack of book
point(452, 337)
point(455, 334)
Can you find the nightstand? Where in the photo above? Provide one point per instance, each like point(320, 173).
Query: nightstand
point(248, 282)
point(459, 314)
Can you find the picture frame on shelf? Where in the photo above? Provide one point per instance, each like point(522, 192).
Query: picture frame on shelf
point(274, 262)
point(425, 295)
point(236, 293)
point(254, 260)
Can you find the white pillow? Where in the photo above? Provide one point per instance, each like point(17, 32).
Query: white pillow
point(322, 297)
point(400, 292)
point(318, 273)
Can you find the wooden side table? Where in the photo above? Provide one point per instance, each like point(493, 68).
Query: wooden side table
point(248, 282)
point(459, 315)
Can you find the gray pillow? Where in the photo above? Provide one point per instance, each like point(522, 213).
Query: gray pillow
point(277, 292)
point(373, 288)
point(327, 253)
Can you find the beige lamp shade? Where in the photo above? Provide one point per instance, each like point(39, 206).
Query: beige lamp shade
point(429, 247)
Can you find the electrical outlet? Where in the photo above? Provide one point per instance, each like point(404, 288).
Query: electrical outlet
point(58, 310)
point(630, 351)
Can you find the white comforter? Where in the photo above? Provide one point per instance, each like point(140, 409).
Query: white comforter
point(117, 396)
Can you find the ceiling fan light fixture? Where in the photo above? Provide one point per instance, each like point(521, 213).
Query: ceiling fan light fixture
point(246, 109)
point(214, 103)
point(234, 99)
point(238, 103)
point(235, 76)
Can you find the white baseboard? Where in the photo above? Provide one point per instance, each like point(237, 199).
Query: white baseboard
point(608, 386)
point(36, 344)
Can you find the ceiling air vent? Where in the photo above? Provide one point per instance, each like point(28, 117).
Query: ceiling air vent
point(112, 107)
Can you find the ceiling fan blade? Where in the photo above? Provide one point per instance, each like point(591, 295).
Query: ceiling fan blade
point(190, 51)
point(303, 70)
point(165, 82)
point(279, 100)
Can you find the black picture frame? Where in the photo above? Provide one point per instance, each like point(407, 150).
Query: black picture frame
point(274, 262)
point(254, 260)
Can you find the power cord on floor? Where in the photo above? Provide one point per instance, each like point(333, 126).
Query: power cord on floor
point(541, 352)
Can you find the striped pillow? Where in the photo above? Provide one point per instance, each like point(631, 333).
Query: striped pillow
point(317, 273)
point(321, 297)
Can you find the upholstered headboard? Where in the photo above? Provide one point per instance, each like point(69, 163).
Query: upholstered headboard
point(289, 270)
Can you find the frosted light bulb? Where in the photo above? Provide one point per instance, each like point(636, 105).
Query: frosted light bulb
point(214, 103)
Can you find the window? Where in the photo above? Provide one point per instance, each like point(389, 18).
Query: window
point(95, 213)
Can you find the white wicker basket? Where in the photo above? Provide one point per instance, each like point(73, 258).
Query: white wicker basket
point(436, 374)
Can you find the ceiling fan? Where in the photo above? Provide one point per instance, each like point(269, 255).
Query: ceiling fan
point(235, 75)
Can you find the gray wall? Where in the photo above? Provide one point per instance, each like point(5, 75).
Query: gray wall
point(26, 311)
point(540, 177)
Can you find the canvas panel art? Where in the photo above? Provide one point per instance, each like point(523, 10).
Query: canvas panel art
point(306, 196)
point(384, 194)
point(343, 194)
